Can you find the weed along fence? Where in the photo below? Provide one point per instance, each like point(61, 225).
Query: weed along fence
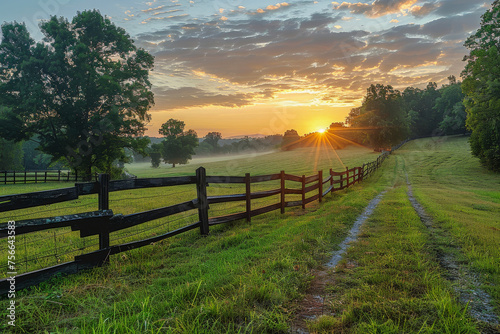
point(13, 177)
point(103, 227)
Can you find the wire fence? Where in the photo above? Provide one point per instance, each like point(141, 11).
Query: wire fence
point(90, 238)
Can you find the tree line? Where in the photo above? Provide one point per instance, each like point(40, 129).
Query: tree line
point(387, 116)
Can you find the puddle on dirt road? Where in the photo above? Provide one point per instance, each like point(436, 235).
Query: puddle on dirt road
point(314, 302)
point(465, 283)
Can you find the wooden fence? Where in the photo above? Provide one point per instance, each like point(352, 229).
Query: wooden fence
point(103, 221)
point(38, 176)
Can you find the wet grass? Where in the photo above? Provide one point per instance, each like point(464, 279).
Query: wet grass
point(389, 282)
point(462, 198)
point(241, 278)
point(249, 277)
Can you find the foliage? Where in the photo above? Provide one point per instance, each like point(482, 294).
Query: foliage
point(178, 145)
point(172, 128)
point(212, 139)
point(11, 155)
point(419, 104)
point(382, 111)
point(419, 113)
point(155, 154)
point(450, 104)
point(84, 91)
point(481, 85)
point(33, 158)
point(289, 138)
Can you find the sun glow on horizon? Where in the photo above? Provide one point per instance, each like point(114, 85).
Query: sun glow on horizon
point(321, 131)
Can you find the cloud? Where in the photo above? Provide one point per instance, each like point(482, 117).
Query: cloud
point(258, 56)
point(424, 10)
point(377, 8)
point(151, 9)
point(417, 8)
point(189, 97)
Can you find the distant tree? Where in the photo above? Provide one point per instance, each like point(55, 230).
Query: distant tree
point(178, 145)
point(155, 154)
point(11, 155)
point(450, 105)
point(205, 149)
point(423, 118)
point(84, 91)
point(212, 138)
point(336, 125)
point(382, 110)
point(481, 86)
point(34, 159)
point(350, 120)
point(172, 128)
point(290, 138)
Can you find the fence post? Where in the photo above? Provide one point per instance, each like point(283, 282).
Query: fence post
point(320, 185)
point(248, 197)
point(36, 178)
point(59, 175)
point(25, 176)
point(45, 177)
point(282, 178)
point(331, 180)
point(14, 177)
point(201, 189)
point(347, 176)
point(303, 191)
point(363, 172)
point(5, 176)
point(103, 197)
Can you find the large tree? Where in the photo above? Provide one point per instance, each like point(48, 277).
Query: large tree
point(178, 145)
point(419, 104)
point(481, 85)
point(84, 91)
point(382, 112)
point(450, 106)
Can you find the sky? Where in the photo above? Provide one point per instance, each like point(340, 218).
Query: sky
point(247, 67)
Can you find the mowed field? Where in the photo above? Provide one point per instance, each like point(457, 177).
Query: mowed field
point(252, 277)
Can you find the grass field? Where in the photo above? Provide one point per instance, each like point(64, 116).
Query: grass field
point(61, 245)
point(300, 161)
point(249, 278)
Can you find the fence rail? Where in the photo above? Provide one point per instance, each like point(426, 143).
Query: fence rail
point(37, 176)
point(104, 221)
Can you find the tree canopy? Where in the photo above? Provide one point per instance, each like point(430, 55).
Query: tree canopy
point(212, 139)
point(481, 86)
point(84, 91)
point(178, 145)
point(382, 112)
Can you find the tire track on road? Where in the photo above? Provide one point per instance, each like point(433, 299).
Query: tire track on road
point(313, 304)
point(465, 283)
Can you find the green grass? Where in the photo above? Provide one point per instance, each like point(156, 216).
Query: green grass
point(249, 277)
point(298, 162)
point(389, 282)
point(241, 278)
point(463, 198)
point(238, 278)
